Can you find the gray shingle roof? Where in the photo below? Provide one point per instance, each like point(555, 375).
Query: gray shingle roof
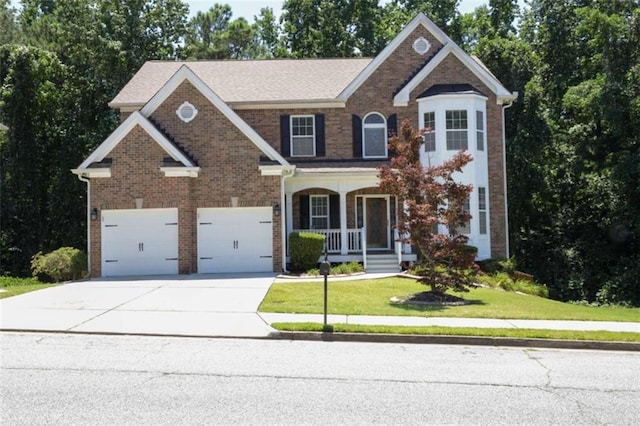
point(277, 80)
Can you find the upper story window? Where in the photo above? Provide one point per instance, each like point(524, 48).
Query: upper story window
point(480, 130)
point(430, 132)
point(319, 213)
point(303, 136)
point(457, 134)
point(482, 210)
point(374, 136)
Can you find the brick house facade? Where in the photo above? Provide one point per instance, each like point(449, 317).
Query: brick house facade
point(216, 162)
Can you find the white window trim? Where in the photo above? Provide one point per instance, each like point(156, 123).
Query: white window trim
point(382, 126)
point(312, 216)
point(182, 107)
point(291, 136)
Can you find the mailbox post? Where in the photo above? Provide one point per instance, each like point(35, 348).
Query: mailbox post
point(325, 269)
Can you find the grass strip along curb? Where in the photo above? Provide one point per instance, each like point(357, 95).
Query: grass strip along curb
point(517, 333)
point(438, 335)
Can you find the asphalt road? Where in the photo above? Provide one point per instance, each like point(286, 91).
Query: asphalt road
point(82, 379)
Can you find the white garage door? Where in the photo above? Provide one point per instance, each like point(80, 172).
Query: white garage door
point(139, 242)
point(235, 240)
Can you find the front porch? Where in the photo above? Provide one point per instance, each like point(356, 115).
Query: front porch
point(346, 206)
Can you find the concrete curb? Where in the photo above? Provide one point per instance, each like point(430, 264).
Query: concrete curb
point(380, 338)
point(459, 340)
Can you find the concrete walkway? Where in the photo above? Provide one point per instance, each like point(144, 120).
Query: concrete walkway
point(204, 305)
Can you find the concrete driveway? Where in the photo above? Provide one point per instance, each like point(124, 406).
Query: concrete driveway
point(192, 305)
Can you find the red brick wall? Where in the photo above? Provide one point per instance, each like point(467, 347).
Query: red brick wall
point(229, 168)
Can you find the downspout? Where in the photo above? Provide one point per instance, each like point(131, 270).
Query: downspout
point(88, 182)
point(283, 221)
point(504, 164)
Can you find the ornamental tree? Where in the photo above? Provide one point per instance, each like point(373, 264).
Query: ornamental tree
point(430, 197)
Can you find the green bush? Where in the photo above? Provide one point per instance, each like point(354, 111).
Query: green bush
point(347, 268)
point(305, 249)
point(64, 264)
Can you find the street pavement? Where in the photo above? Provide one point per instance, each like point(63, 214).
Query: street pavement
point(204, 305)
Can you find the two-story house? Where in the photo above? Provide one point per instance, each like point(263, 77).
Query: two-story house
point(215, 163)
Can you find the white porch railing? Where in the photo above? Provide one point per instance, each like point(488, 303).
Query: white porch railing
point(332, 239)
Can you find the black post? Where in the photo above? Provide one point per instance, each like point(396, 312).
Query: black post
point(325, 269)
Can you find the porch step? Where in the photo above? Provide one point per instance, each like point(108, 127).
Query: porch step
point(382, 263)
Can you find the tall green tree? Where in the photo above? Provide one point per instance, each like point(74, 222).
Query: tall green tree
point(33, 104)
point(268, 42)
point(330, 28)
point(77, 56)
point(444, 13)
point(581, 229)
point(8, 22)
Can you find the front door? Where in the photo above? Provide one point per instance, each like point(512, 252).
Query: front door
point(376, 218)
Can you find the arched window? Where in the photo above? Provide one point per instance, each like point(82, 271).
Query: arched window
point(374, 136)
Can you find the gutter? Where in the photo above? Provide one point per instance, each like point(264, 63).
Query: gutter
point(504, 164)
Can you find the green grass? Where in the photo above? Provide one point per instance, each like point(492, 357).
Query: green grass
point(16, 286)
point(529, 333)
point(371, 297)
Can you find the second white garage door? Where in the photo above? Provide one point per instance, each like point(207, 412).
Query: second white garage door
point(235, 240)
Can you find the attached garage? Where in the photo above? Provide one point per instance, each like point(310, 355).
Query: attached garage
point(235, 240)
point(139, 242)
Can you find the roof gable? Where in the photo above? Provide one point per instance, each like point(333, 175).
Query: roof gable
point(449, 47)
point(135, 119)
point(185, 73)
point(478, 69)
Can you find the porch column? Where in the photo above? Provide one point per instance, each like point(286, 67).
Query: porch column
point(288, 217)
point(344, 237)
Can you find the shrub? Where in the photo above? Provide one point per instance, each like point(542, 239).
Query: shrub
point(347, 268)
point(305, 249)
point(64, 264)
point(505, 282)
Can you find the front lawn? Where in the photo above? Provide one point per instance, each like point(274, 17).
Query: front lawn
point(14, 286)
point(371, 297)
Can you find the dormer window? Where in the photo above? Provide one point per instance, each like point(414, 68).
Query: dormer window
point(374, 136)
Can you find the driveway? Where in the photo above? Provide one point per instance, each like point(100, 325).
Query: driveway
point(191, 305)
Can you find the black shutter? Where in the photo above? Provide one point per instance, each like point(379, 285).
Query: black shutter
point(334, 211)
point(320, 145)
point(356, 124)
point(392, 130)
point(304, 212)
point(285, 136)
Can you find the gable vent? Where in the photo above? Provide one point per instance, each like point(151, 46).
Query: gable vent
point(186, 112)
point(421, 45)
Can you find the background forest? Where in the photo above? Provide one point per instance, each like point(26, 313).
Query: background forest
point(573, 135)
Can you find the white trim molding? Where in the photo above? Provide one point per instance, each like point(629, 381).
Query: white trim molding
point(135, 119)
